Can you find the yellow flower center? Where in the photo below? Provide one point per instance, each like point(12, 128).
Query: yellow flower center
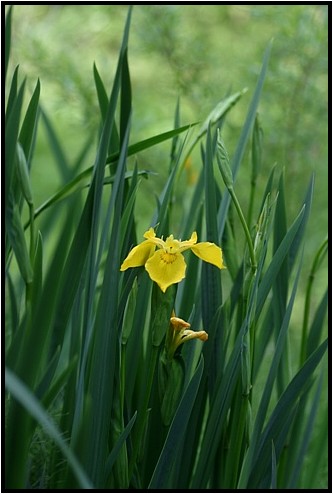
point(167, 257)
point(171, 246)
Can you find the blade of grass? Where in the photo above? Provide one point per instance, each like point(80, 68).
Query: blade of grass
point(273, 468)
point(302, 437)
point(102, 96)
point(57, 150)
point(279, 256)
point(103, 102)
point(300, 234)
point(117, 447)
point(23, 394)
point(221, 400)
point(252, 452)
point(8, 35)
point(105, 353)
point(29, 125)
point(246, 131)
point(125, 97)
point(11, 137)
point(280, 285)
point(176, 432)
point(161, 215)
point(317, 325)
point(218, 112)
point(12, 93)
point(279, 416)
point(94, 447)
point(133, 149)
point(211, 279)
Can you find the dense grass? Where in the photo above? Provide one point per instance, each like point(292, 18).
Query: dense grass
point(97, 393)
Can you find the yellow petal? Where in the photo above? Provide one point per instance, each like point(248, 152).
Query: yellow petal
point(209, 252)
point(179, 323)
point(138, 255)
point(165, 268)
point(149, 234)
point(187, 244)
point(188, 334)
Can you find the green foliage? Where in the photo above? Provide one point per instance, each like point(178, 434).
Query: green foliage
point(93, 399)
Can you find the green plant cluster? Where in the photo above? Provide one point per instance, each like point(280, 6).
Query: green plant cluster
point(91, 400)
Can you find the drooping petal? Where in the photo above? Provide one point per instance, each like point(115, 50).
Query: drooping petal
point(179, 323)
point(188, 334)
point(138, 255)
point(165, 268)
point(209, 252)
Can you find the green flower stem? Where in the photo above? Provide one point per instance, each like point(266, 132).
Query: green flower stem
point(251, 202)
point(245, 227)
point(315, 265)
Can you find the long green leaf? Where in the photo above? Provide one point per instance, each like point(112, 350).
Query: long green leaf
point(317, 325)
point(221, 400)
point(119, 444)
point(12, 93)
point(8, 35)
point(246, 131)
point(275, 265)
point(11, 137)
point(102, 96)
point(211, 277)
point(23, 394)
point(300, 234)
point(15, 232)
point(280, 285)
point(29, 125)
point(57, 150)
point(125, 97)
point(287, 401)
point(176, 432)
point(252, 452)
point(105, 352)
point(305, 436)
point(83, 176)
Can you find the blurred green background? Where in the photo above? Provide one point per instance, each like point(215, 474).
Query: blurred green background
point(197, 52)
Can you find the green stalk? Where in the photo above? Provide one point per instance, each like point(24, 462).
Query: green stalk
point(223, 162)
point(245, 228)
point(251, 202)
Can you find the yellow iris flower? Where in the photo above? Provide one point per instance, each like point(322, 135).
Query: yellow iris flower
point(166, 265)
